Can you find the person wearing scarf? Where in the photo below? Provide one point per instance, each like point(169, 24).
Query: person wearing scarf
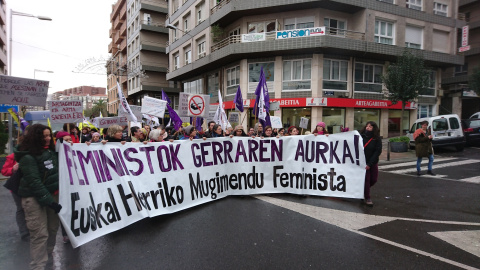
point(372, 146)
point(423, 147)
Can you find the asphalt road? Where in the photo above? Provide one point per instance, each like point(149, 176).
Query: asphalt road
point(417, 222)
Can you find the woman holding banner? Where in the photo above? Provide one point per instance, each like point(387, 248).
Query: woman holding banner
point(372, 146)
point(114, 134)
point(39, 191)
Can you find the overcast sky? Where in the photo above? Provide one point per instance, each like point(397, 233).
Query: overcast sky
point(72, 45)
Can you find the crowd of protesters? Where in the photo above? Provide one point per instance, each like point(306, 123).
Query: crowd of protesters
point(37, 158)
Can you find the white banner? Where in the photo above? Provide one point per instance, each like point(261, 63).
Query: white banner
point(22, 91)
point(105, 122)
point(153, 106)
point(254, 37)
point(104, 188)
point(65, 111)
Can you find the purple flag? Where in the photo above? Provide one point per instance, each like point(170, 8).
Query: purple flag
point(177, 122)
point(262, 89)
point(198, 123)
point(238, 99)
point(165, 97)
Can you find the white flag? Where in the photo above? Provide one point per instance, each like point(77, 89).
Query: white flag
point(124, 105)
point(262, 114)
point(222, 116)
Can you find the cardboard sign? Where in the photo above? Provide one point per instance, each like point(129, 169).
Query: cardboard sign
point(21, 91)
point(153, 106)
point(105, 122)
point(303, 122)
point(136, 110)
point(234, 117)
point(64, 111)
point(276, 122)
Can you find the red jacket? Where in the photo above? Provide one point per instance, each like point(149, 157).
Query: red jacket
point(7, 169)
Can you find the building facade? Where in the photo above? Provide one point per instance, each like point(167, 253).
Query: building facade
point(458, 97)
point(323, 60)
point(87, 94)
point(3, 38)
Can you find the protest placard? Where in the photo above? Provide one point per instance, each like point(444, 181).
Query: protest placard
point(105, 122)
point(276, 122)
point(126, 183)
point(136, 110)
point(153, 106)
point(64, 111)
point(22, 91)
point(234, 117)
point(303, 122)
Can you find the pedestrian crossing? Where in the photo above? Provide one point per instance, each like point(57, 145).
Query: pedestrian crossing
point(445, 168)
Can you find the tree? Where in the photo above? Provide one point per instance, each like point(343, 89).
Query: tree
point(474, 80)
point(99, 106)
point(405, 80)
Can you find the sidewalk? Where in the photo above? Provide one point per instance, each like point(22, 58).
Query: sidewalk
point(395, 157)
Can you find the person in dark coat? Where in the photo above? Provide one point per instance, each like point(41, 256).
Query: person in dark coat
point(372, 147)
point(423, 147)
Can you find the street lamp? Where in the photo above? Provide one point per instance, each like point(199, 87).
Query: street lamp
point(16, 13)
point(39, 70)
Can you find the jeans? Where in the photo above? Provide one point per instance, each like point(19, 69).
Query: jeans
point(430, 162)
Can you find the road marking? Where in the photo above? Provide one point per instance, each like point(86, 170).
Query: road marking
point(450, 164)
point(466, 240)
point(475, 180)
point(412, 163)
point(354, 222)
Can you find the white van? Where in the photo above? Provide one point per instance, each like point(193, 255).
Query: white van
point(446, 131)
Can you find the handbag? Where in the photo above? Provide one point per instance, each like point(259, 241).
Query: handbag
point(13, 183)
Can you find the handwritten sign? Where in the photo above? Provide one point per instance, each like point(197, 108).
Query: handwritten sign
point(276, 122)
point(64, 111)
point(136, 110)
point(153, 106)
point(105, 122)
point(22, 91)
point(234, 117)
point(303, 122)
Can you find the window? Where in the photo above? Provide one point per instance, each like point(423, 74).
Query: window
point(213, 86)
point(176, 61)
point(193, 87)
point(430, 91)
point(440, 9)
point(386, 1)
point(175, 33)
point(299, 23)
point(440, 41)
point(188, 57)
point(362, 116)
point(234, 32)
point(254, 75)
point(454, 123)
point(414, 4)
point(147, 19)
point(297, 74)
point(261, 27)
point(201, 49)
point(368, 77)
point(384, 32)
point(335, 27)
point(185, 25)
point(334, 118)
point(233, 76)
point(335, 74)
point(413, 37)
point(461, 70)
point(200, 13)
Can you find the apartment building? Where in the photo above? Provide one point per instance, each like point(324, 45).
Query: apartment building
point(117, 69)
point(458, 97)
point(89, 95)
point(3, 38)
point(322, 59)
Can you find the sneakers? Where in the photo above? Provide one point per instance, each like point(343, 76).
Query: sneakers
point(431, 173)
point(419, 173)
point(369, 202)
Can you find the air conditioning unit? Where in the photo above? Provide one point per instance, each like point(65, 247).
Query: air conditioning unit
point(202, 55)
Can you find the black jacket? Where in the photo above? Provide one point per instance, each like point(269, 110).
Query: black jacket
point(372, 150)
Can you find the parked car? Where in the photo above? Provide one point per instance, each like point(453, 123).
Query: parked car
point(446, 131)
point(471, 129)
point(475, 116)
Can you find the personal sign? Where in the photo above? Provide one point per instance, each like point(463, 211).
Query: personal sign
point(276, 122)
point(22, 91)
point(136, 110)
point(153, 106)
point(64, 111)
point(105, 122)
point(303, 122)
point(196, 106)
point(234, 117)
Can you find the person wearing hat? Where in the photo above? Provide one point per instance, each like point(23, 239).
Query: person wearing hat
point(320, 129)
point(293, 130)
point(423, 147)
point(95, 138)
point(190, 132)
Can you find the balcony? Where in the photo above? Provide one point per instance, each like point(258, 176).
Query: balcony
point(123, 30)
point(123, 46)
point(111, 33)
point(118, 38)
point(152, 46)
point(154, 27)
point(112, 48)
point(219, 6)
point(330, 31)
point(118, 23)
point(123, 13)
point(116, 7)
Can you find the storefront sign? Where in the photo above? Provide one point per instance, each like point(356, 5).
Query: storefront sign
point(316, 101)
point(253, 37)
point(298, 33)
